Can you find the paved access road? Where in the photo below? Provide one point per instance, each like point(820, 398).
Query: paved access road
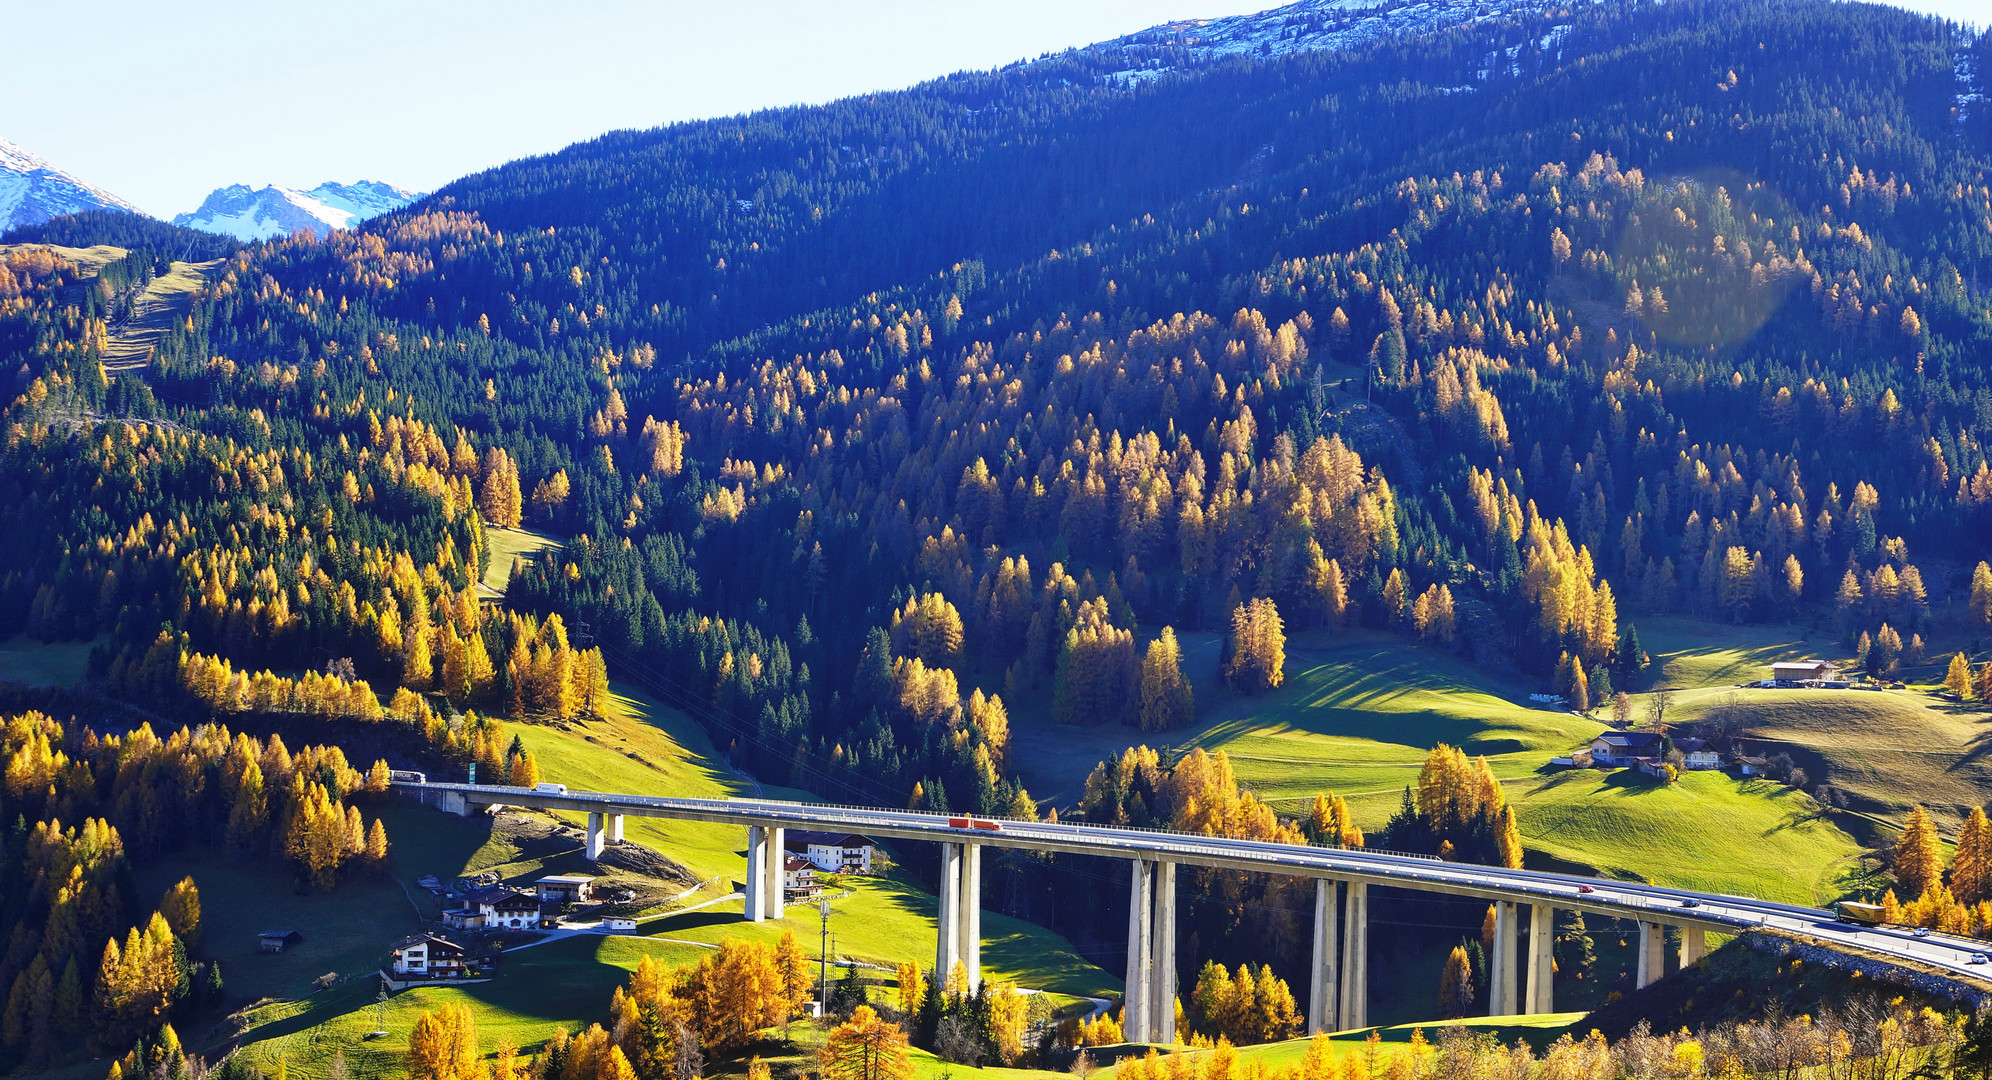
point(1617, 899)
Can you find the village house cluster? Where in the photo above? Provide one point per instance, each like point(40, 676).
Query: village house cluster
point(556, 898)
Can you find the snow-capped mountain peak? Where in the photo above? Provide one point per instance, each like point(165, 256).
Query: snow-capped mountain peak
point(32, 190)
point(248, 213)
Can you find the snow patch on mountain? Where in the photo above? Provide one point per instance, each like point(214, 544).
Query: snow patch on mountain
point(1308, 26)
point(32, 190)
point(248, 213)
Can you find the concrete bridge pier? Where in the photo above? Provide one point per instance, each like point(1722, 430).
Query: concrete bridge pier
point(1321, 983)
point(1137, 1010)
point(1162, 966)
point(772, 861)
point(1502, 999)
point(968, 935)
point(1354, 998)
point(959, 939)
point(1539, 995)
point(1694, 946)
point(757, 874)
point(1652, 954)
point(603, 829)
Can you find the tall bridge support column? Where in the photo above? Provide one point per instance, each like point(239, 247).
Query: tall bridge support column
point(1136, 1004)
point(593, 847)
point(948, 920)
point(1355, 959)
point(1162, 972)
point(1652, 954)
point(1502, 999)
point(615, 828)
point(1694, 945)
point(968, 934)
point(1540, 994)
point(772, 863)
point(757, 873)
point(1321, 983)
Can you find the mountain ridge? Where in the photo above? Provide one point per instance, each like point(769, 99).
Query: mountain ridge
point(33, 191)
point(248, 213)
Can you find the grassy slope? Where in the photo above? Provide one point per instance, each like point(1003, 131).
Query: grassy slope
point(1360, 710)
point(505, 543)
point(35, 663)
point(1888, 749)
point(649, 750)
point(167, 299)
point(1710, 832)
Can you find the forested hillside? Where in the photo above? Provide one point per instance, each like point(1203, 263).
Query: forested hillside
point(875, 421)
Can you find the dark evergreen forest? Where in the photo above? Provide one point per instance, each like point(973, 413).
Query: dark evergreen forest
point(871, 421)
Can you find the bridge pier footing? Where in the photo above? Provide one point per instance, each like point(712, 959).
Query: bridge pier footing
point(1354, 998)
point(1540, 994)
point(1321, 983)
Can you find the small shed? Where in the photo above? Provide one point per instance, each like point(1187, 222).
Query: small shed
point(618, 923)
point(276, 941)
point(1802, 672)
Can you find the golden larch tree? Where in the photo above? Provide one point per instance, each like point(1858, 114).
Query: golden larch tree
point(865, 1047)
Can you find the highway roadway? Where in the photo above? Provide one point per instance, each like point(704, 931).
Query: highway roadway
point(1718, 912)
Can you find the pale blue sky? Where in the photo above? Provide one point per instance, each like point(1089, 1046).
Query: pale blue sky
point(161, 103)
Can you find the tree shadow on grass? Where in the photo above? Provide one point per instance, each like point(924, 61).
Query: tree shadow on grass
point(689, 920)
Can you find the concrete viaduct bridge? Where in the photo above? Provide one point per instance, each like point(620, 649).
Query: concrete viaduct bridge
point(1338, 972)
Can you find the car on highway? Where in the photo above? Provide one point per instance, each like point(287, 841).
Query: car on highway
point(1691, 902)
point(1585, 889)
point(1921, 931)
point(1978, 958)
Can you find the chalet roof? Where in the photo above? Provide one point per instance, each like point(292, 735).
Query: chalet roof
point(802, 839)
point(435, 943)
point(501, 898)
point(1800, 665)
point(796, 864)
point(1690, 746)
point(566, 879)
point(1629, 740)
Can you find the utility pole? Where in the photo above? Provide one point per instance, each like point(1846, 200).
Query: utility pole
point(823, 955)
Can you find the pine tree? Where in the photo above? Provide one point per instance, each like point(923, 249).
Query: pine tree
point(377, 846)
point(1456, 986)
point(1971, 868)
point(182, 908)
point(865, 1048)
point(1166, 699)
point(1958, 679)
point(1981, 595)
point(1508, 839)
point(1918, 858)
